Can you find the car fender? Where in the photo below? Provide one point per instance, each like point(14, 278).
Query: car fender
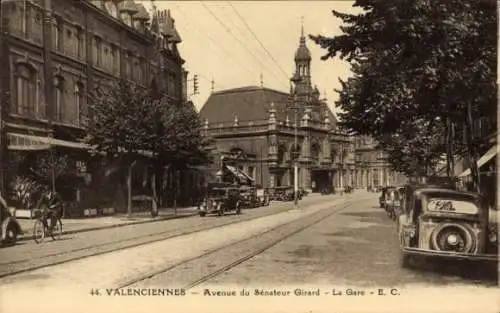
point(402, 220)
point(6, 222)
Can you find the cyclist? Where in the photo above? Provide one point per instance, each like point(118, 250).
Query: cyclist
point(51, 204)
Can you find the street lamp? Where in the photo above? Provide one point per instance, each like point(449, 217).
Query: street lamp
point(341, 183)
point(296, 153)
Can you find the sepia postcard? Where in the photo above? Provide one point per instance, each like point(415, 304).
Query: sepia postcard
point(249, 156)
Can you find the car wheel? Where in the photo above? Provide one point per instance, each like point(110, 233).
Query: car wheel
point(202, 214)
point(11, 234)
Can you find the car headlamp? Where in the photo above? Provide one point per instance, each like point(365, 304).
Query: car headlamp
point(452, 239)
point(412, 233)
point(493, 237)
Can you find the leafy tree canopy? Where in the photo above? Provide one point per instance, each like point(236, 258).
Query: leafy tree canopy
point(414, 59)
point(127, 120)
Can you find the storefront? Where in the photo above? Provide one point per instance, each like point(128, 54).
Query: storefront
point(487, 167)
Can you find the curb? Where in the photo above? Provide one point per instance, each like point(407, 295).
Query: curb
point(83, 230)
point(157, 219)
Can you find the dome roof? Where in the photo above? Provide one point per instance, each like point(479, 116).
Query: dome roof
point(302, 53)
point(142, 14)
point(128, 6)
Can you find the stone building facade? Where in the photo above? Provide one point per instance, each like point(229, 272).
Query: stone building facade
point(264, 132)
point(54, 52)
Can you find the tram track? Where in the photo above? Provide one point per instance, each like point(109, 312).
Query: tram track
point(16, 266)
point(260, 243)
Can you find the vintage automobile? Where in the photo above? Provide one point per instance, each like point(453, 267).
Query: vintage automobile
point(282, 193)
point(250, 198)
point(399, 202)
point(389, 199)
point(303, 192)
point(381, 198)
point(9, 226)
point(220, 200)
point(444, 223)
point(263, 196)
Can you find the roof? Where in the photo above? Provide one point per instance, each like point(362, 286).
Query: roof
point(302, 53)
point(252, 104)
point(248, 103)
point(142, 14)
point(128, 6)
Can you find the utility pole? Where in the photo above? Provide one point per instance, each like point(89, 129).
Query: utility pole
point(341, 183)
point(295, 152)
point(261, 164)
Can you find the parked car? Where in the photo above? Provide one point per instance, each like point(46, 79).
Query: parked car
point(220, 200)
point(9, 226)
point(399, 202)
point(444, 223)
point(263, 196)
point(302, 193)
point(381, 198)
point(282, 193)
point(387, 200)
point(250, 198)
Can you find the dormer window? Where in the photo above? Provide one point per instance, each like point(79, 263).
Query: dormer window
point(126, 18)
point(112, 9)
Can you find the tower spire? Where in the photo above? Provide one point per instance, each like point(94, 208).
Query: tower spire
point(302, 26)
point(261, 80)
point(213, 85)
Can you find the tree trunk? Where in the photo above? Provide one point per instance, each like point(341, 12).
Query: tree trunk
point(154, 208)
point(471, 149)
point(447, 144)
point(176, 191)
point(452, 148)
point(129, 189)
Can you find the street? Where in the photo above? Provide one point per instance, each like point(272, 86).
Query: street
point(345, 243)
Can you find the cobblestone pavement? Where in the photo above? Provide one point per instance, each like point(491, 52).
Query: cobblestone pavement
point(96, 223)
point(343, 246)
point(111, 269)
point(27, 254)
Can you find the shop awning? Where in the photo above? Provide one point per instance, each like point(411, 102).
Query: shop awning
point(483, 160)
point(239, 174)
point(29, 142)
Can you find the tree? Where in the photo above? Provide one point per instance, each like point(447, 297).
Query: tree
point(120, 125)
point(128, 122)
point(179, 143)
point(414, 150)
point(417, 59)
point(180, 140)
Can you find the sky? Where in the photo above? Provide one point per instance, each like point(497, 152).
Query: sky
point(217, 43)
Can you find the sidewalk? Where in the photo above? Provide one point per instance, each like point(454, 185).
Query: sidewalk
point(71, 226)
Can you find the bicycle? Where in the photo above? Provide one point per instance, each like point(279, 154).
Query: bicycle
point(42, 229)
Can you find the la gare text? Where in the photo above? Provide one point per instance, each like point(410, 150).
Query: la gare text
point(301, 292)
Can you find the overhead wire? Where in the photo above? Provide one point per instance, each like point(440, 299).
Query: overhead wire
point(258, 40)
point(206, 35)
point(235, 37)
point(243, 31)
